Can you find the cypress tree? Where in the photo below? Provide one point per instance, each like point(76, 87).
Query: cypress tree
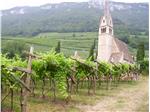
point(91, 53)
point(57, 49)
point(140, 52)
point(94, 44)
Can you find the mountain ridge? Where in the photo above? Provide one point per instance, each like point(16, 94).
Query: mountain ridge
point(71, 17)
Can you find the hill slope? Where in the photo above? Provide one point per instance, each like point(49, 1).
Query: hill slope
point(72, 17)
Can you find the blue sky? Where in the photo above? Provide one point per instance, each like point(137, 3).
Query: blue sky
point(6, 4)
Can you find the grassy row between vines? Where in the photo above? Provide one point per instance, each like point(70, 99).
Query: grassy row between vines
point(38, 104)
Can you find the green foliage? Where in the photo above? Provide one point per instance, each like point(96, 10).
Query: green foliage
point(91, 53)
point(117, 69)
point(144, 66)
point(140, 52)
point(125, 68)
point(9, 76)
point(57, 67)
point(105, 68)
point(85, 68)
point(12, 48)
point(57, 49)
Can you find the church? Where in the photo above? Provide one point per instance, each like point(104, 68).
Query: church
point(111, 49)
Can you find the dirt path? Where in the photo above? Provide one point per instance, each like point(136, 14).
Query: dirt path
point(127, 100)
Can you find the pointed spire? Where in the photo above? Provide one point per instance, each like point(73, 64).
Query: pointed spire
point(106, 8)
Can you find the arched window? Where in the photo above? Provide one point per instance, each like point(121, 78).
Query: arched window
point(103, 30)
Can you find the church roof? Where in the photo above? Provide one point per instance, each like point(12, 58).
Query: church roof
point(115, 57)
point(124, 49)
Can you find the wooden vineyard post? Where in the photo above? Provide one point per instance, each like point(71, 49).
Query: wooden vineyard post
point(27, 78)
point(94, 77)
point(94, 83)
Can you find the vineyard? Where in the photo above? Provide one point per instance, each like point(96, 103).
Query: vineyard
point(58, 75)
point(71, 42)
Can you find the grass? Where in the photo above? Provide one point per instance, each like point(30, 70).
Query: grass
point(37, 104)
point(144, 107)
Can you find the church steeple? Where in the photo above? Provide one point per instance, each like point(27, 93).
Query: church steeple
point(110, 49)
point(106, 23)
point(105, 38)
point(106, 8)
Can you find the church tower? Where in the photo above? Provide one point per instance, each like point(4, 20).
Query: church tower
point(105, 37)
